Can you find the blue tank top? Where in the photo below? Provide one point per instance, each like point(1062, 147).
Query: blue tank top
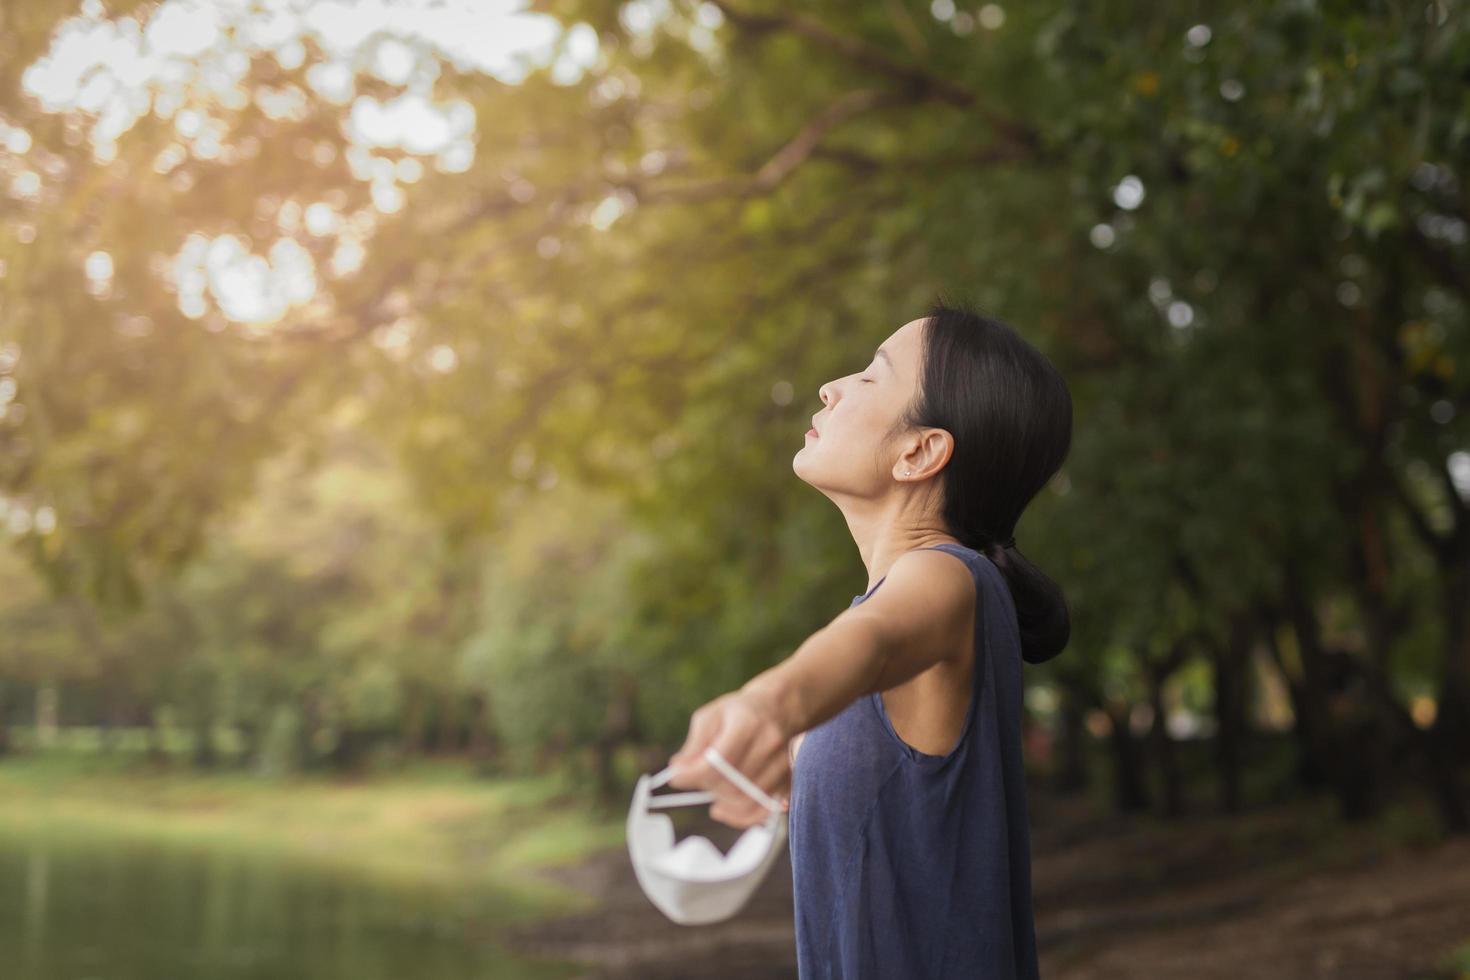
point(911, 865)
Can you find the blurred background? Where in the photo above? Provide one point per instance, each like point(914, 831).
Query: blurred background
point(397, 403)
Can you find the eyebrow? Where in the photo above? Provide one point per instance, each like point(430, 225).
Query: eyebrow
point(884, 354)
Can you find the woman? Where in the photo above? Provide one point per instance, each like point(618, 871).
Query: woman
point(910, 849)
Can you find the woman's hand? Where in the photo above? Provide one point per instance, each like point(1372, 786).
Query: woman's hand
point(742, 727)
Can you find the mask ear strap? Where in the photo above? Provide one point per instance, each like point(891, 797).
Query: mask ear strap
point(679, 799)
point(738, 778)
point(674, 799)
point(730, 772)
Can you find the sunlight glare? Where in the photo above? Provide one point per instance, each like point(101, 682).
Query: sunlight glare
point(189, 62)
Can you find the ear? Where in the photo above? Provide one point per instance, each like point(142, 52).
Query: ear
point(929, 453)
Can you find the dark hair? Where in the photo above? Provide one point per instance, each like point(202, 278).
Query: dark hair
point(1010, 414)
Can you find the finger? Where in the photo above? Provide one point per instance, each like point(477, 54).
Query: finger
point(720, 811)
point(749, 745)
point(732, 797)
point(695, 773)
point(734, 815)
point(704, 726)
point(772, 778)
point(690, 768)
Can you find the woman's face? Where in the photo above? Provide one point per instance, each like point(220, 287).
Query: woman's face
point(846, 454)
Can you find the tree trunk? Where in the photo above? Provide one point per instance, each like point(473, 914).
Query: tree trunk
point(1322, 672)
point(484, 747)
point(1305, 724)
point(617, 727)
point(449, 739)
point(48, 715)
point(1450, 734)
point(113, 713)
point(1163, 747)
point(311, 719)
point(1230, 660)
point(1359, 797)
point(1071, 771)
point(1447, 743)
point(1130, 792)
point(250, 735)
point(156, 752)
point(414, 720)
point(206, 753)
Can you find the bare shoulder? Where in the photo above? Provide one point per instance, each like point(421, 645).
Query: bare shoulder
point(924, 601)
point(928, 577)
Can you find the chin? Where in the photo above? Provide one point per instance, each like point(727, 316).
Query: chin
point(808, 471)
point(798, 464)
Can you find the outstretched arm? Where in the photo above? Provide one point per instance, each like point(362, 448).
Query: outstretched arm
point(907, 626)
point(898, 632)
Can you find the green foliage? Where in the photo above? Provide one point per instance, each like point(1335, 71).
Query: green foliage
point(1238, 229)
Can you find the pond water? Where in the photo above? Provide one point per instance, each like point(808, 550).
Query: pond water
point(74, 909)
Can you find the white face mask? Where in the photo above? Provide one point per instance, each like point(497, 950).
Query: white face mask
point(693, 883)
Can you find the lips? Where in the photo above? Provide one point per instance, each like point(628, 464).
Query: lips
point(813, 432)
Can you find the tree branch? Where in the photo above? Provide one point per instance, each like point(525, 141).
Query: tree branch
point(872, 57)
point(1431, 538)
point(864, 163)
point(785, 160)
point(903, 23)
point(363, 317)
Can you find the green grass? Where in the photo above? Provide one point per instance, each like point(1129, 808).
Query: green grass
point(432, 824)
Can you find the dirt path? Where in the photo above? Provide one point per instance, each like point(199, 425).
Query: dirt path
point(1266, 894)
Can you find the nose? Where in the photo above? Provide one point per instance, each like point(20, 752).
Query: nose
point(825, 393)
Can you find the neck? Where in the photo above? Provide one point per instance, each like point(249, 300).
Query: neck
point(881, 546)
